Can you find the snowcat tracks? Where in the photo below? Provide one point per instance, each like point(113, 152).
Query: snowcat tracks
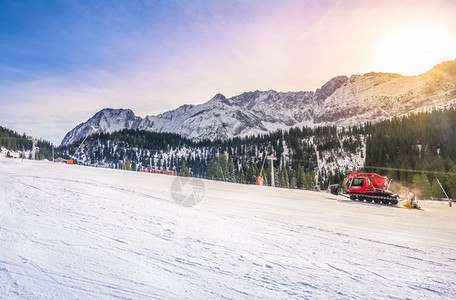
point(377, 199)
point(336, 189)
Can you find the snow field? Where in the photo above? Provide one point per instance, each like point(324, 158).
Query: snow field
point(69, 231)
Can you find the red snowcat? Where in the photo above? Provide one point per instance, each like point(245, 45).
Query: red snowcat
point(366, 187)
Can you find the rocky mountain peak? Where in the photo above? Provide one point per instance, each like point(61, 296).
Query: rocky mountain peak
point(330, 87)
point(445, 70)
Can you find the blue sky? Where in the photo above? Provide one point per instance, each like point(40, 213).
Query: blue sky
point(62, 61)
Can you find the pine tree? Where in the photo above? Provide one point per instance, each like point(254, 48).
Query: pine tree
point(309, 181)
point(256, 173)
point(284, 180)
point(184, 171)
point(230, 170)
point(421, 186)
point(222, 167)
point(249, 179)
point(451, 181)
point(292, 181)
point(241, 176)
point(212, 169)
point(267, 177)
point(301, 178)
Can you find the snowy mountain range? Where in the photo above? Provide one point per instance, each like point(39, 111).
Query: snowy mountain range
point(342, 101)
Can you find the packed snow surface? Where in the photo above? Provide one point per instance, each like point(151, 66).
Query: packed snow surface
point(69, 231)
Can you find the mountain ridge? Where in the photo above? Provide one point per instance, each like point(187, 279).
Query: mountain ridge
point(342, 101)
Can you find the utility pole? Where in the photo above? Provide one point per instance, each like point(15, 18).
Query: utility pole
point(272, 158)
point(34, 141)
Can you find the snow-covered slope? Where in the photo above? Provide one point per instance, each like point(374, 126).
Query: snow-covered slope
point(69, 231)
point(342, 101)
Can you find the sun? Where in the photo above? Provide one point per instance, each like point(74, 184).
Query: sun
point(415, 50)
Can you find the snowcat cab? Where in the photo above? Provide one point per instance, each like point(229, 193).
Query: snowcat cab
point(360, 185)
point(366, 187)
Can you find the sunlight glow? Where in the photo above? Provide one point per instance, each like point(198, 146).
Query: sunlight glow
point(415, 50)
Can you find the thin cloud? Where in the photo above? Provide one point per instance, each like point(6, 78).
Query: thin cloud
point(74, 58)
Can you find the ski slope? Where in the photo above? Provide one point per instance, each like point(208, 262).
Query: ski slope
point(69, 231)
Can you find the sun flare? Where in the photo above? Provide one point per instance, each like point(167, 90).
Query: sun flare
point(414, 50)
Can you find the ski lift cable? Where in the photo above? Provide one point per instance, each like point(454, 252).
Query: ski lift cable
point(262, 166)
point(410, 170)
point(88, 134)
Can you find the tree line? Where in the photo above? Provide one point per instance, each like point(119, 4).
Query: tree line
point(417, 150)
point(241, 159)
point(13, 141)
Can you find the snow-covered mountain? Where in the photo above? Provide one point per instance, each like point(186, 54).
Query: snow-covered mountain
point(342, 101)
point(378, 96)
point(106, 120)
